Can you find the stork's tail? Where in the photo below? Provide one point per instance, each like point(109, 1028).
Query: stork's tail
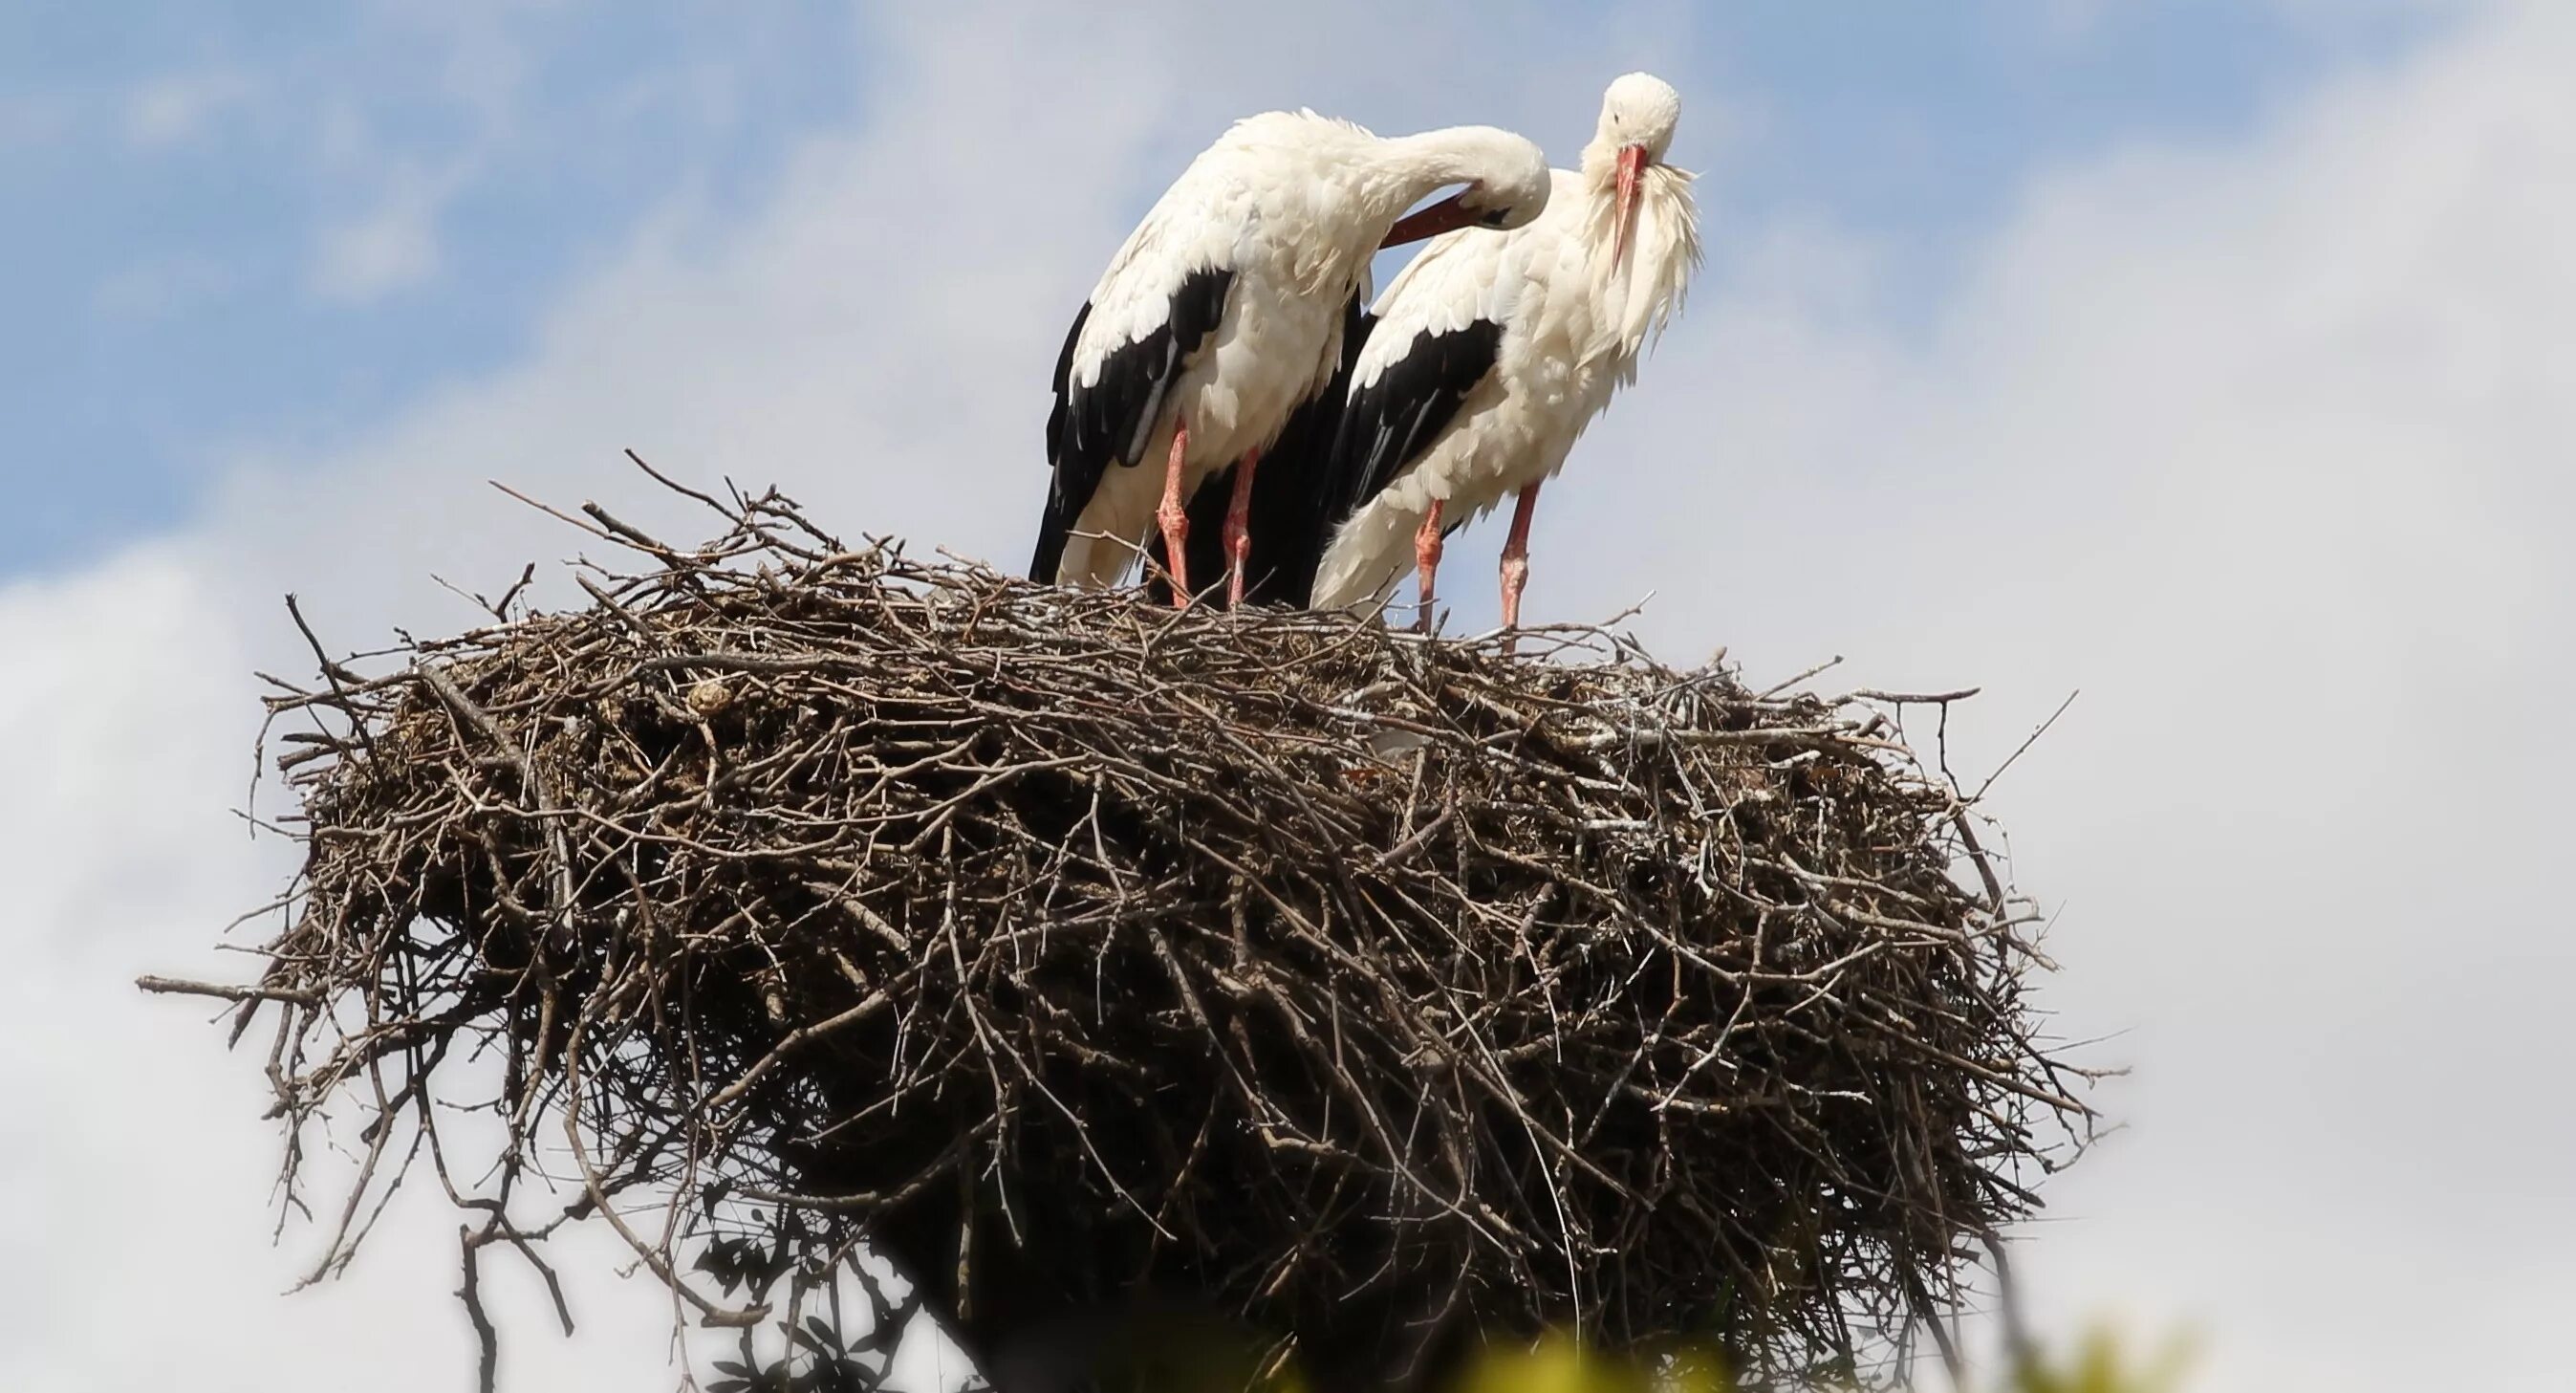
point(1367, 556)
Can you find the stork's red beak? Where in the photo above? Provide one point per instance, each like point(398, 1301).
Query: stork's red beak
point(1447, 215)
point(1632, 164)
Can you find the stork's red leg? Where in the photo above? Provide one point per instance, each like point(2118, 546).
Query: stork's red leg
point(1516, 559)
point(1238, 536)
point(1426, 562)
point(1175, 519)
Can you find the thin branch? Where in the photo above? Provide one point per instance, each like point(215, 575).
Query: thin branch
point(806, 896)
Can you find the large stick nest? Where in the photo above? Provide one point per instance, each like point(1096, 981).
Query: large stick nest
point(1055, 945)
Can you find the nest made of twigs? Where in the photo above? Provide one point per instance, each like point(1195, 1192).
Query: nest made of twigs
point(1053, 943)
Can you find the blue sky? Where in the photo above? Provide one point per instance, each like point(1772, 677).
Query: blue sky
point(254, 231)
point(268, 225)
point(2208, 357)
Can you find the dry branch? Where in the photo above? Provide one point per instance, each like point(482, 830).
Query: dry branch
point(1056, 945)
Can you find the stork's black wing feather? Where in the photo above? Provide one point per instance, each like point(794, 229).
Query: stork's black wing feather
point(1109, 420)
point(1392, 420)
point(1288, 520)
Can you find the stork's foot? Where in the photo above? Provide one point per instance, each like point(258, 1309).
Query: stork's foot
point(1176, 540)
point(1515, 580)
point(1426, 566)
point(1516, 566)
point(1175, 520)
point(1238, 529)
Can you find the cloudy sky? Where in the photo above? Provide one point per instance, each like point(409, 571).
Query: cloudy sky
point(2207, 356)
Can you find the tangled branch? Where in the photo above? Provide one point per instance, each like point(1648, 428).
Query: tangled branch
point(795, 895)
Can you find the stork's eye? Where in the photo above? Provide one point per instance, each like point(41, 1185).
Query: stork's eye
point(1495, 218)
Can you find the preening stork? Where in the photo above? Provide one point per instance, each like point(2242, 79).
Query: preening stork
point(1224, 312)
point(1492, 353)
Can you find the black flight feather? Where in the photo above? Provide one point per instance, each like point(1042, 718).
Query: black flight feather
point(1394, 419)
point(1110, 420)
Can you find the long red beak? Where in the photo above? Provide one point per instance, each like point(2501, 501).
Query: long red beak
point(1447, 215)
point(1632, 164)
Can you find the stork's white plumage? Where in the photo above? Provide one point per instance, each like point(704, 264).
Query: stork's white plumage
point(1224, 312)
point(1492, 353)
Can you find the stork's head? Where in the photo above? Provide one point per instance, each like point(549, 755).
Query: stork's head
point(1638, 114)
point(1505, 176)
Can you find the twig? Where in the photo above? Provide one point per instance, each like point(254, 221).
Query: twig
point(807, 895)
point(174, 986)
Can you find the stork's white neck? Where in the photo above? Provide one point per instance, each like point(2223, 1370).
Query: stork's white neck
point(1409, 166)
point(1601, 165)
point(1508, 167)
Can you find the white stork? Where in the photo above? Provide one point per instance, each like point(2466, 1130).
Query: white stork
point(1492, 353)
point(1224, 312)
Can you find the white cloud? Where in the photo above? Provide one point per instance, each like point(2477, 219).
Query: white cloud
point(478, 67)
point(183, 107)
point(139, 1257)
point(2263, 447)
point(391, 247)
point(860, 339)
